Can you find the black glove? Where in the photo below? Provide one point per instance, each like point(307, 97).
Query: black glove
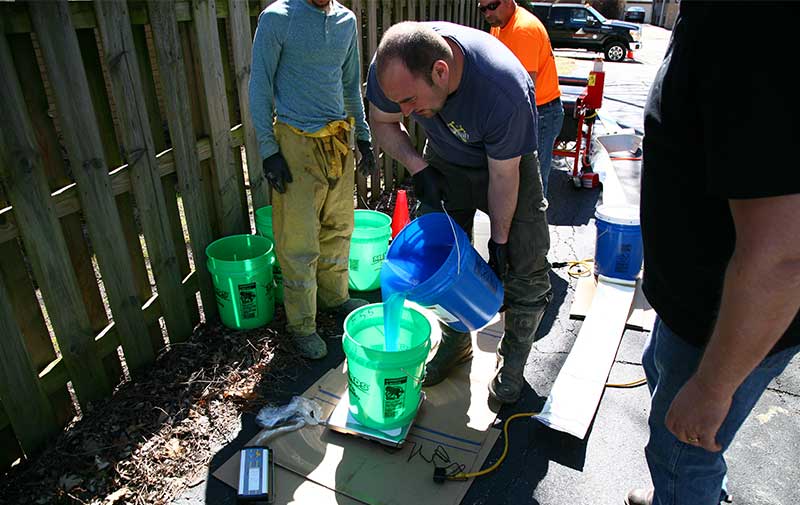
point(277, 172)
point(498, 258)
point(429, 187)
point(367, 165)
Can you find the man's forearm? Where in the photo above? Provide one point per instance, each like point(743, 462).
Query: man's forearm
point(394, 140)
point(503, 194)
point(759, 301)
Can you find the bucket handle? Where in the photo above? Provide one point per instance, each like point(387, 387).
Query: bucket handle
point(413, 377)
point(455, 238)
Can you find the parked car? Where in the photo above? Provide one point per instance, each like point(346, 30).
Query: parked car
point(579, 26)
point(635, 14)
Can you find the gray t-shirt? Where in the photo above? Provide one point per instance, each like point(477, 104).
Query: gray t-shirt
point(492, 113)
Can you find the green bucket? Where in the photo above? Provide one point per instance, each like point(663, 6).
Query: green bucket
point(264, 228)
point(241, 268)
point(368, 247)
point(384, 386)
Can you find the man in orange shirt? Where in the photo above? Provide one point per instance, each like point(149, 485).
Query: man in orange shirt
point(525, 35)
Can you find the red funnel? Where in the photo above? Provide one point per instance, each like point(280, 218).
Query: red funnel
point(400, 215)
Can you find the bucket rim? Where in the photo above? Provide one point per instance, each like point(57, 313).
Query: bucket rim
point(269, 252)
point(433, 284)
point(346, 335)
point(624, 214)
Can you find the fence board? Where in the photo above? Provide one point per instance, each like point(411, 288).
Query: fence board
point(63, 61)
point(230, 213)
point(22, 176)
point(107, 125)
point(179, 117)
point(129, 96)
point(360, 180)
point(26, 403)
point(239, 19)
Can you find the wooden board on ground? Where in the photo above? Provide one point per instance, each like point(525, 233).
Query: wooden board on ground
point(640, 317)
point(579, 386)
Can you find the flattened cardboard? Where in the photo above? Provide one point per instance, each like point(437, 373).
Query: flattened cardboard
point(452, 428)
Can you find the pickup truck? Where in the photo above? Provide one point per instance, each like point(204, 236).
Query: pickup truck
point(579, 26)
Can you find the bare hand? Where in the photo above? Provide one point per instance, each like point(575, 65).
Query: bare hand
point(696, 414)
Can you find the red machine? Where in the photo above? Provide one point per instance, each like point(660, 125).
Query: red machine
point(581, 99)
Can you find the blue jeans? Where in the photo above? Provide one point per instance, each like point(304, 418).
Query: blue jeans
point(684, 474)
point(551, 117)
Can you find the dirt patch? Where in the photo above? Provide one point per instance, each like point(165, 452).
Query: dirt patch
point(156, 435)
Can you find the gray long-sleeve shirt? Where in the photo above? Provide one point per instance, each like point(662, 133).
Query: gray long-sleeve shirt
point(306, 68)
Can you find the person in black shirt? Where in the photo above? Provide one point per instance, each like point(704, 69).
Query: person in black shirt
point(721, 235)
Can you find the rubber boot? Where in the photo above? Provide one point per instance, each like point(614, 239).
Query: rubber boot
point(512, 354)
point(454, 349)
point(310, 346)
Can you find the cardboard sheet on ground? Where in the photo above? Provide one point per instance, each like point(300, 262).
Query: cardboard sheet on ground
point(641, 315)
point(573, 401)
point(453, 427)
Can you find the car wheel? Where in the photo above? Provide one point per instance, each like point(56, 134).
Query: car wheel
point(616, 51)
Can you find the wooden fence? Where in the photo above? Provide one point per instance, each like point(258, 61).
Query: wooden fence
point(123, 154)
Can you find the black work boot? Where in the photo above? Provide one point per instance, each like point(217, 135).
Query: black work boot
point(454, 349)
point(512, 354)
point(310, 346)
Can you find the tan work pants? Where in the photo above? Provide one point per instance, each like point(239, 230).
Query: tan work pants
point(313, 222)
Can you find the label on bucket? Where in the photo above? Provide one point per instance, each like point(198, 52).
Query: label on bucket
point(247, 297)
point(394, 396)
point(443, 314)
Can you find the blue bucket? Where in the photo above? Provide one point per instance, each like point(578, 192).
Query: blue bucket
point(432, 261)
point(618, 249)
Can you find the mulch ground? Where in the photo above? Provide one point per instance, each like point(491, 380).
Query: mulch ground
point(156, 435)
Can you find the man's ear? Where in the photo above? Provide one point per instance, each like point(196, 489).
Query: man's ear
point(439, 71)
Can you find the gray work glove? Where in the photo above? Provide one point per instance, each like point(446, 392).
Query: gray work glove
point(277, 172)
point(367, 166)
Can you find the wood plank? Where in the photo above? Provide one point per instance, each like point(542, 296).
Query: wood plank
point(242, 42)
point(26, 404)
point(14, 17)
point(55, 376)
point(22, 176)
point(230, 213)
point(201, 122)
point(82, 138)
point(576, 393)
point(169, 55)
point(66, 199)
point(129, 96)
point(41, 110)
point(360, 180)
point(108, 127)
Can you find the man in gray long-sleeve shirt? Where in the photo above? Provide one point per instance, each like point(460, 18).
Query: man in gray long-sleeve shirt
point(306, 105)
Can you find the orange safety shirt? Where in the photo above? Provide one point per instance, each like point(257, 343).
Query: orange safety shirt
point(527, 38)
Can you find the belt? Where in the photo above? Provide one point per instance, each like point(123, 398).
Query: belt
point(551, 102)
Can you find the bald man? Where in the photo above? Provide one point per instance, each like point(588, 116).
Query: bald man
point(477, 106)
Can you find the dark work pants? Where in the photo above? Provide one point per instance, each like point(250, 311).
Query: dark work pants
point(527, 284)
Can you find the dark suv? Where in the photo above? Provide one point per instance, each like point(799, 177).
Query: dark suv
point(578, 26)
